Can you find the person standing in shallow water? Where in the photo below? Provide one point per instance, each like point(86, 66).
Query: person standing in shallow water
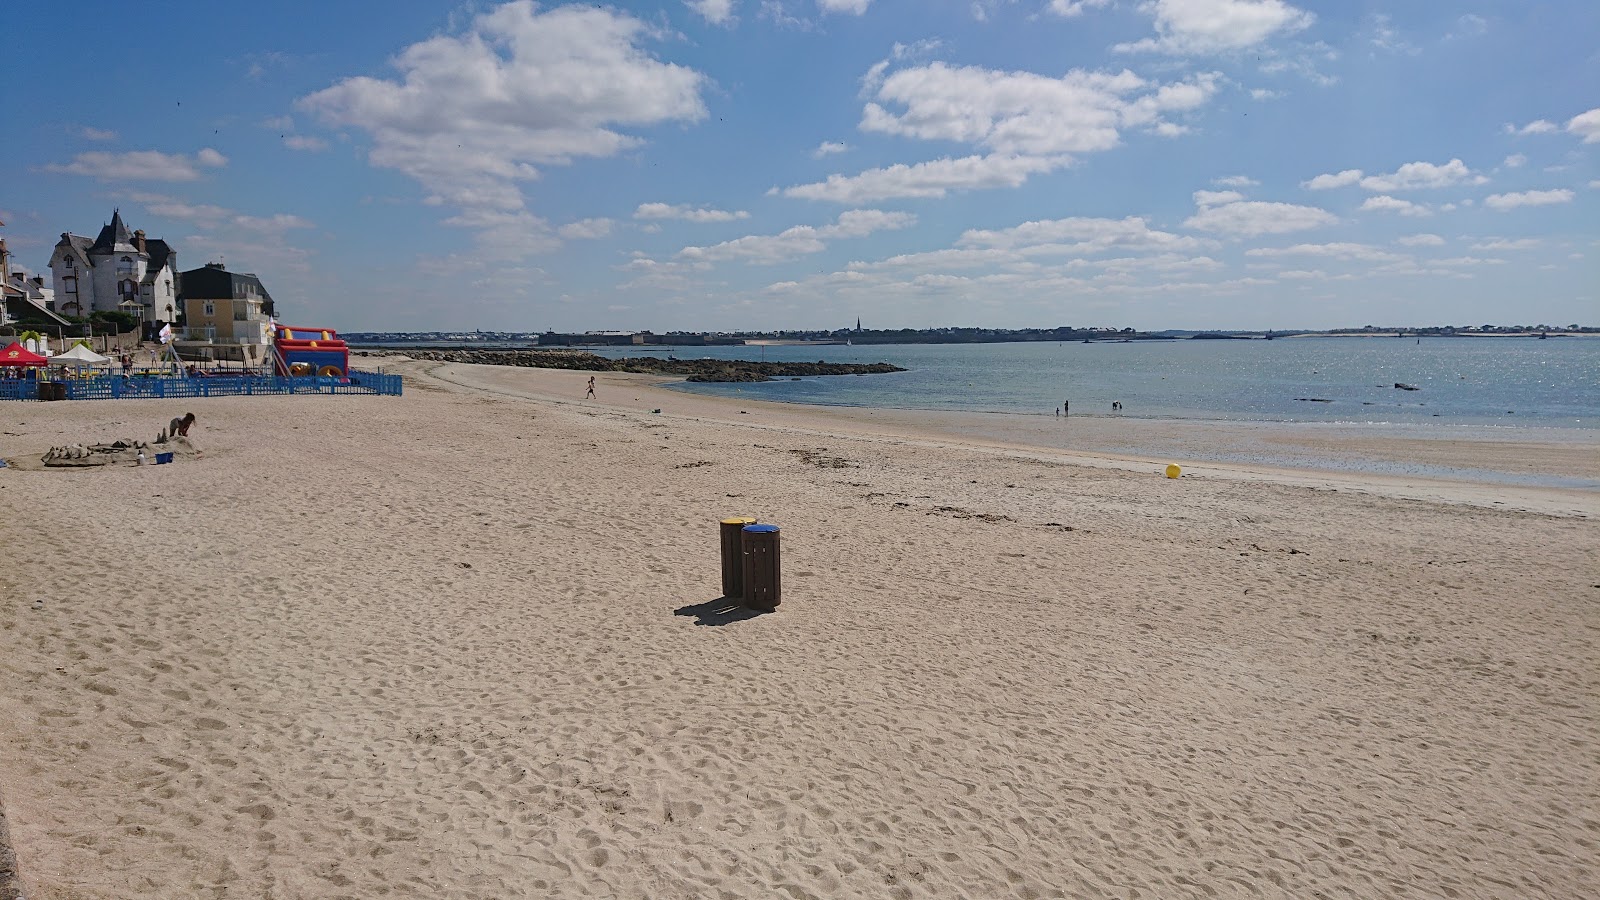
point(591, 388)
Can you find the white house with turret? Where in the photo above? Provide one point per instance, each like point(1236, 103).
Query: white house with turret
point(118, 270)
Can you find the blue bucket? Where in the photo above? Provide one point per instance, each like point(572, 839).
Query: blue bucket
point(163, 458)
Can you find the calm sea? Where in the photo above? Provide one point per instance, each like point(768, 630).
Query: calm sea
point(1523, 382)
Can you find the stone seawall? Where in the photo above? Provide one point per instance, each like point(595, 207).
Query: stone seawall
point(692, 369)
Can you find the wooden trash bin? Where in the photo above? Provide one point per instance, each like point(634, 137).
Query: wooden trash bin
point(733, 556)
point(52, 390)
point(762, 588)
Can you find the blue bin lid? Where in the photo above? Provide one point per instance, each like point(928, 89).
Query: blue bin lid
point(761, 529)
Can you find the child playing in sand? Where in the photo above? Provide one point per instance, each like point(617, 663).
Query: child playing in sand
point(591, 388)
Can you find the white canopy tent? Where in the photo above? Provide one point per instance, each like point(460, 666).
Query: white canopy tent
point(80, 357)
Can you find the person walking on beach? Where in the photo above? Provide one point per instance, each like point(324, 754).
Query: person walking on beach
point(591, 389)
point(1066, 408)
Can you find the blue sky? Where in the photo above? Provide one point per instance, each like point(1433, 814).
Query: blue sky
point(760, 164)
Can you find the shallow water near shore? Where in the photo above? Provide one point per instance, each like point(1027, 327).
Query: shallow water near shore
point(1461, 381)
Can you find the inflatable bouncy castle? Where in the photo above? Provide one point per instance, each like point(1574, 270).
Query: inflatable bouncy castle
point(310, 351)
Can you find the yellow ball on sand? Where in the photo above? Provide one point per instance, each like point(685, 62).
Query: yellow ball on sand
point(1173, 471)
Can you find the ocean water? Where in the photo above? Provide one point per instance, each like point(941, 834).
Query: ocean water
point(1521, 382)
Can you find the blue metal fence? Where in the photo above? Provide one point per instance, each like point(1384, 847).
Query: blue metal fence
point(118, 387)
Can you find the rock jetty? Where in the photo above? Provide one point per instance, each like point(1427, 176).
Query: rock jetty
point(692, 369)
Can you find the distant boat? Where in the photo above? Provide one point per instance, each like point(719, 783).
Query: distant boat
point(847, 342)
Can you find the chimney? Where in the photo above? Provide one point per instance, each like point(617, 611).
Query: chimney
point(5, 262)
point(138, 240)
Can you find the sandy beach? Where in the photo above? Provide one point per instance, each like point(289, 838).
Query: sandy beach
point(469, 643)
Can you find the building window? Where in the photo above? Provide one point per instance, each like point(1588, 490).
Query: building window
point(67, 262)
point(125, 266)
point(127, 290)
point(69, 284)
point(211, 309)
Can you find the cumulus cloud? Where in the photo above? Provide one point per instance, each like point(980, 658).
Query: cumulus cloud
point(1420, 240)
point(1200, 27)
point(853, 7)
point(1250, 218)
point(1537, 126)
point(1235, 181)
point(1503, 244)
point(801, 239)
point(828, 148)
point(1386, 203)
point(1515, 161)
point(1335, 180)
point(1409, 177)
point(686, 213)
point(1505, 202)
point(927, 179)
point(1586, 125)
point(96, 134)
point(1335, 250)
point(1078, 236)
point(1069, 8)
point(585, 229)
point(1204, 199)
point(471, 115)
point(1421, 175)
point(1021, 112)
point(305, 142)
point(140, 165)
point(717, 12)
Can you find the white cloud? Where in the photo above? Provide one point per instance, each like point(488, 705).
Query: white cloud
point(801, 239)
point(1586, 125)
point(1385, 37)
point(1197, 27)
point(1069, 8)
point(1505, 202)
point(182, 211)
point(1336, 250)
point(1203, 199)
point(1421, 240)
point(1235, 181)
point(1250, 218)
point(1077, 236)
point(1264, 94)
point(853, 7)
point(1421, 175)
point(1386, 203)
point(274, 224)
point(1502, 244)
point(1469, 25)
point(473, 114)
point(1537, 126)
point(1021, 113)
point(1336, 180)
point(1595, 183)
point(305, 142)
point(828, 148)
point(585, 229)
point(686, 213)
point(927, 179)
point(96, 134)
point(140, 165)
point(717, 12)
point(1515, 161)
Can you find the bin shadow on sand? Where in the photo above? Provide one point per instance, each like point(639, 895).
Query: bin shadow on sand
point(721, 611)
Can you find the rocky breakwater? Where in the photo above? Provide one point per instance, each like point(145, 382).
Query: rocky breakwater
point(691, 369)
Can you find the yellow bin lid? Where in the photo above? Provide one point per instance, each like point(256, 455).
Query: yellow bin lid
point(739, 520)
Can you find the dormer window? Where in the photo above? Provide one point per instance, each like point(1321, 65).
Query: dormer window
point(125, 266)
point(67, 262)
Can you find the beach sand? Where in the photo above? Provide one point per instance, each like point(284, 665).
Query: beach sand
point(469, 643)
